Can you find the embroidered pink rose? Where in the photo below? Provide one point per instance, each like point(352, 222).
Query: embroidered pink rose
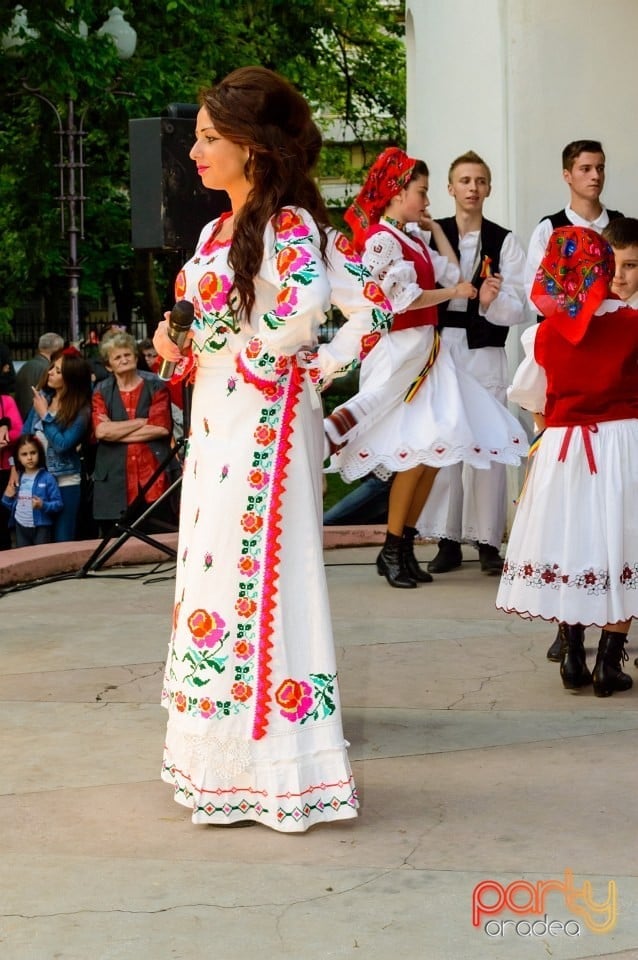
point(207, 628)
point(290, 223)
point(241, 691)
point(248, 566)
point(243, 650)
point(245, 607)
point(214, 291)
point(251, 522)
point(287, 300)
point(264, 435)
point(206, 707)
point(258, 478)
point(292, 259)
point(253, 348)
point(295, 698)
point(180, 702)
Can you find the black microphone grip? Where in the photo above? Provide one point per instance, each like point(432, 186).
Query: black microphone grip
point(179, 324)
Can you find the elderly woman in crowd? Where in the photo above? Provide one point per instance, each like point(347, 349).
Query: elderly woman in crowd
point(132, 426)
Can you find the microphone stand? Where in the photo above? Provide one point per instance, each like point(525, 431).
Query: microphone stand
point(128, 524)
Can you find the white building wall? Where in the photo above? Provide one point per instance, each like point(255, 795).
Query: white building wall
point(516, 80)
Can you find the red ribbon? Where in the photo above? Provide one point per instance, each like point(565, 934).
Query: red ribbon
point(586, 432)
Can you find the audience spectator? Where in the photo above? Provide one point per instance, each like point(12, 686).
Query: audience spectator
point(60, 417)
point(132, 427)
point(10, 429)
point(31, 372)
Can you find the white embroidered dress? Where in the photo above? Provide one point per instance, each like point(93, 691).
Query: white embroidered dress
point(254, 729)
point(451, 418)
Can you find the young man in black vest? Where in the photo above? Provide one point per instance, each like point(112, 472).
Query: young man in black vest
point(466, 504)
point(584, 174)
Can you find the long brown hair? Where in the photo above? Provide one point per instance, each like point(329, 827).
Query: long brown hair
point(75, 394)
point(259, 109)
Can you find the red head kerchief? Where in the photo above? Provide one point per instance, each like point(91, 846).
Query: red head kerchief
point(573, 279)
point(387, 176)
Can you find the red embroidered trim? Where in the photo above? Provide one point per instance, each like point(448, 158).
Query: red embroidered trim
point(271, 556)
point(319, 786)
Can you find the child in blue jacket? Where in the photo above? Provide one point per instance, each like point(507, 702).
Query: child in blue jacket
point(32, 494)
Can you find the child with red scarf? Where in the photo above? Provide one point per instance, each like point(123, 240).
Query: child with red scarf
point(572, 555)
point(415, 411)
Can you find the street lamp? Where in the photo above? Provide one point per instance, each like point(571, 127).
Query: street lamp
point(71, 157)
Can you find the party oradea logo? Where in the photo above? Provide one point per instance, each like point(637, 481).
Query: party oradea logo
point(492, 902)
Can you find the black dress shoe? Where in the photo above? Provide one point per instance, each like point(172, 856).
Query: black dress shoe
point(449, 557)
point(554, 652)
point(490, 560)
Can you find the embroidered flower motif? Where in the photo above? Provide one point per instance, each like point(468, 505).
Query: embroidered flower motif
point(287, 301)
point(176, 609)
point(264, 435)
point(185, 554)
point(290, 223)
point(295, 698)
point(241, 691)
point(372, 291)
point(207, 707)
point(231, 385)
point(344, 247)
point(248, 566)
point(180, 285)
point(206, 426)
point(252, 522)
point(258, 479)
point(207, 628)
point(214, 291)
point(224, 473)
point(243, 650)
point(180, 701)
point(273, 392)
point(291, 260)
point(253, 348)
point(208, 561)
point(368, 341)
point(245, 607)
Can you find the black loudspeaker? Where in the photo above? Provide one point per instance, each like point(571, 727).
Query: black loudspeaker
point(169, 205)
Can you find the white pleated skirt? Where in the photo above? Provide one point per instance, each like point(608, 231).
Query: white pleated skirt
point(451, 418)
point(572, 554)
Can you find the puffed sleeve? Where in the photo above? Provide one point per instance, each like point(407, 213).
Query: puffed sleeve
point(363, 304)
point(529, 386)
point(293, 265)
point(395, 275)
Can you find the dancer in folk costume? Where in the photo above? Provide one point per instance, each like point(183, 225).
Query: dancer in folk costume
point(415, 411)
point(254, 730)
point(572, 555)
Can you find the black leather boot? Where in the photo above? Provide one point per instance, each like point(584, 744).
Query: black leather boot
point(608, 676)
point(390, 563)
point(555, 651)
point(573, 664)
point(448, 557)
point(410, 562)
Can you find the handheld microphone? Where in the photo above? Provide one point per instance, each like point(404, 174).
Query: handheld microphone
point(179, 323)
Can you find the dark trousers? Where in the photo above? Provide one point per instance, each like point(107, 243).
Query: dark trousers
point(33, 536)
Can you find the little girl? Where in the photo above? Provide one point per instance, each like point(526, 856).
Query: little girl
point(32, 494)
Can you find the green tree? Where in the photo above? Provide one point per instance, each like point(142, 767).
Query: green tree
point(346, 56)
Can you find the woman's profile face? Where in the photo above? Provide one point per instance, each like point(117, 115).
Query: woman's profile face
point(220, 163)
point(55, 380)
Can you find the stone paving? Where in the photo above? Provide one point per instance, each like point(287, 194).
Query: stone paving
point(472, 762)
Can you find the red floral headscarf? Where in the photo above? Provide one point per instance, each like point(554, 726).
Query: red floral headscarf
point(387, 176)
point(573, 279)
